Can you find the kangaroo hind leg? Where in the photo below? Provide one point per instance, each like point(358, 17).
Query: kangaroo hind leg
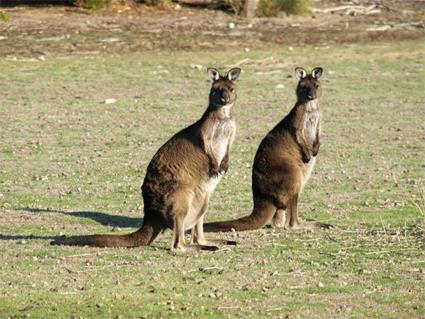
point(279, 219)
point(198, 236)
point(179, 244)
point(294, 222)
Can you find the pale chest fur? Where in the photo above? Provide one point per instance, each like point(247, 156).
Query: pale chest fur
point(310, 122)
point(220, 139)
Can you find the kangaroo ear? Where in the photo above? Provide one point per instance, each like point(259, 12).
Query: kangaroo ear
point(213, 74)
point(317, 73)
point(233, 74)
point(300, 73)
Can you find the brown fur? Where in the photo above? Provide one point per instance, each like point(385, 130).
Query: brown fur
point(283, 162)
point(181, 176)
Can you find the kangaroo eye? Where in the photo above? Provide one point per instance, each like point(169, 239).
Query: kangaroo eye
point(231, 89)
point(316, 85)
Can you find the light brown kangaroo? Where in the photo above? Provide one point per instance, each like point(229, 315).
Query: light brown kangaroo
point(284, 162)
point(182, 176)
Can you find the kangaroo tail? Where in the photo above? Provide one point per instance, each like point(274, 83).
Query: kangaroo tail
point(144, 236)
point(261, 214)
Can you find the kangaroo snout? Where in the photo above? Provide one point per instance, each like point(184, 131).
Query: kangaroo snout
point(311, 94)
point(225, 97)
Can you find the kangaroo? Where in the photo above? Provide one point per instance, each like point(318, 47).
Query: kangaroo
point(181, 177)
point(283, 163)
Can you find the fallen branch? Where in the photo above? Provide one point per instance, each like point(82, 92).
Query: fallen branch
point(82, 255)
point(353, 10)
point(335, 9)
point(379, 28)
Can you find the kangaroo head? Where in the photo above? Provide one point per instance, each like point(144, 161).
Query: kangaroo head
point(308, 88)
point(223, 88)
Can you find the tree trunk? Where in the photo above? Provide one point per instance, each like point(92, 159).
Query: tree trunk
point(251, 8)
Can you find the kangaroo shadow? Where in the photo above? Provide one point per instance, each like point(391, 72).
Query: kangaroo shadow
point(27, 237)
point(102, 218)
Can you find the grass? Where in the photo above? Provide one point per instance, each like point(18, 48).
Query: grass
point(72, 164)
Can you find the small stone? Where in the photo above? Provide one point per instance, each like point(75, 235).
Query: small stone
point(231, 25)
point(110, 101)
point(196, 66)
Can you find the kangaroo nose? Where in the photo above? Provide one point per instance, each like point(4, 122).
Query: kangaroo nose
point(310, 94)
point(224, 97)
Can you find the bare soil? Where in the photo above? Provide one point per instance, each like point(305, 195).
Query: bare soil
point(36, 32)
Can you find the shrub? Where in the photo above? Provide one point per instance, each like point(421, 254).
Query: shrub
point(3, 17)
point(92, 4)
point(268, 8)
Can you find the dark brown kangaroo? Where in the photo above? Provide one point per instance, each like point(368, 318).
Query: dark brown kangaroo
point(181, 177)
point(284, 162)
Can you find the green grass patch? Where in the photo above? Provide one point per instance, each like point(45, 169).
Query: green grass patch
point(72, 164)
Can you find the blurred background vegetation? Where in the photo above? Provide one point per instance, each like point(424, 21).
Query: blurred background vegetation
point(264, 7)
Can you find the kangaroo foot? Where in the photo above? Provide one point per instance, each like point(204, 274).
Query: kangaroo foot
point(307, 225)
point(220, 242)
point(209, 248)
point(279, 219)
point(216, 242)
point(278, 222)
point(194, 248)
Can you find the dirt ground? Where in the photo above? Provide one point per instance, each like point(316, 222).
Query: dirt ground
point(39, 32)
